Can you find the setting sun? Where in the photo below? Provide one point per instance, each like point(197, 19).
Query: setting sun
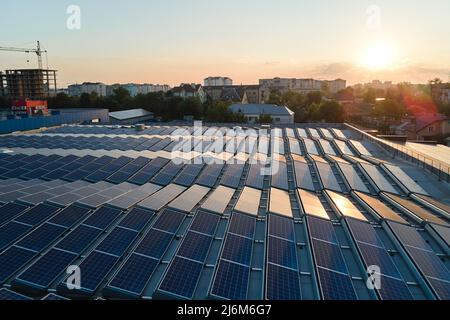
point(378, 56)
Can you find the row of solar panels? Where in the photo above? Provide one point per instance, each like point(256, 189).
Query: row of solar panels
point(235, 263)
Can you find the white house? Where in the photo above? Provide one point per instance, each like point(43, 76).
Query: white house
point(252, 112)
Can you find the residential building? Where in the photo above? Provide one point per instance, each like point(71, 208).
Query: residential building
point(252, 112)
point(87, 87)
point(440, 92)
point(302, 86)
point(129, 117)
point(186, 90)
point(236, 94)
point(425, 126)
point(217, 81)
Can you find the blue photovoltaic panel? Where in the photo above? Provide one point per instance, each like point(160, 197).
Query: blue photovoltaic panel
point(42, 237)
point(442, 288)
point(232, 175)
point(375, 256)
point(429, 264)
point(336, 286)
point(279, 177)
point(117, 242)
point(136, 219)
point(10, 210)
point(255, 179)
point(37, 214)
point(134, 274)
point(209, 175)
point(409, 236)
point(282, 283)
point(79, 239)
point(188, 174)
point(12, 260)
point(237, 249)
point(181, 277)
point(282, 253)
point(322, 230)
point(281, 227)
point(69, 216)
point(328, 256)
point(364, 232)
point(54, 297)
point(242, 225)
point(169, 221)
point(6, 294)
point(231, 281)
point(205, 223)
point(10, 232)
point(155, 243)
point(102, 218)
point(394, 289)
point(94, 269)
point(195, 246)
point(45, 270)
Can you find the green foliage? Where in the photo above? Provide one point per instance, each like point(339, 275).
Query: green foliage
point(265, 119)
point(390, 109)
point(370, 95)
point(332, 111)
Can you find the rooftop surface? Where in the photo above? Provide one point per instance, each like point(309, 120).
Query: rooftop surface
point(302, 213)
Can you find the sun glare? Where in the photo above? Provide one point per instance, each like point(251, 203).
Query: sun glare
point(378, 56)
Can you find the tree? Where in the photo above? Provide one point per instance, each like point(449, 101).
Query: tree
point(275, 97)
point(313, 97)
point(389, 109)
point(370, 95)
point(265, 119)
point(122, 96)
point(85, 100)
point(332, 111)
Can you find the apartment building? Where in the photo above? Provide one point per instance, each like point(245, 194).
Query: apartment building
point(217, 81)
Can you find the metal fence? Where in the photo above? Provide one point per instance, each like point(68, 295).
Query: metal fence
point(439, 168)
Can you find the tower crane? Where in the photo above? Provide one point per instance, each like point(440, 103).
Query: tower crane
point(37, 50)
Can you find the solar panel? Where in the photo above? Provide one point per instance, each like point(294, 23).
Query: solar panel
point(12, 260)
point(102, 218)
point(429, 264)
point(94, 269)
point(6, 294)
point(169, 221)
point(336, 286)
point(118, 241)
point(54, 297)
point(136, 219)
point(364, 232)
point(279, 202)
point(282, 283)
point(442, 288)
point(45, 270)
point(10, 210)
point(281, 227)
point(182, 277)
point(231, 281)
point(242, 225)
point(303, 176)
point(375, 256)
point(69, 216)
point(282, 252)
point(219, 199)
point(195, 246)
point(409, 236)
point(322, 230)
point(254, 178)
point(37, 214)
point(79, 239)
point(134, 274)
point(237, 249)
point(155, 243)
point(10, 232)
point(249, 201)
point(190, 198)
point(188, 175)
point(41, 237)
point(394, 289)
point(205, 223)
point(232, 175)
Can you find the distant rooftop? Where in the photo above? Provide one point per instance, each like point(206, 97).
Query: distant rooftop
point(270, 109)
point(130, 114)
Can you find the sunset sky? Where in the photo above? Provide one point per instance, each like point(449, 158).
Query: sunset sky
point(173, 41)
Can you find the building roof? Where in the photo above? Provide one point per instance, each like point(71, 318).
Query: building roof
point(269, 109)
point(130, 114)
point(110, 200)
point(425, 119)
point(187, 88)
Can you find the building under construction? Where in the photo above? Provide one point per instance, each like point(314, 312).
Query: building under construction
point(28, 83)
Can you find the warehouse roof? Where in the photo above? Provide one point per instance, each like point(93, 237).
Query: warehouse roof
point(130, 114)
point(269, 109)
